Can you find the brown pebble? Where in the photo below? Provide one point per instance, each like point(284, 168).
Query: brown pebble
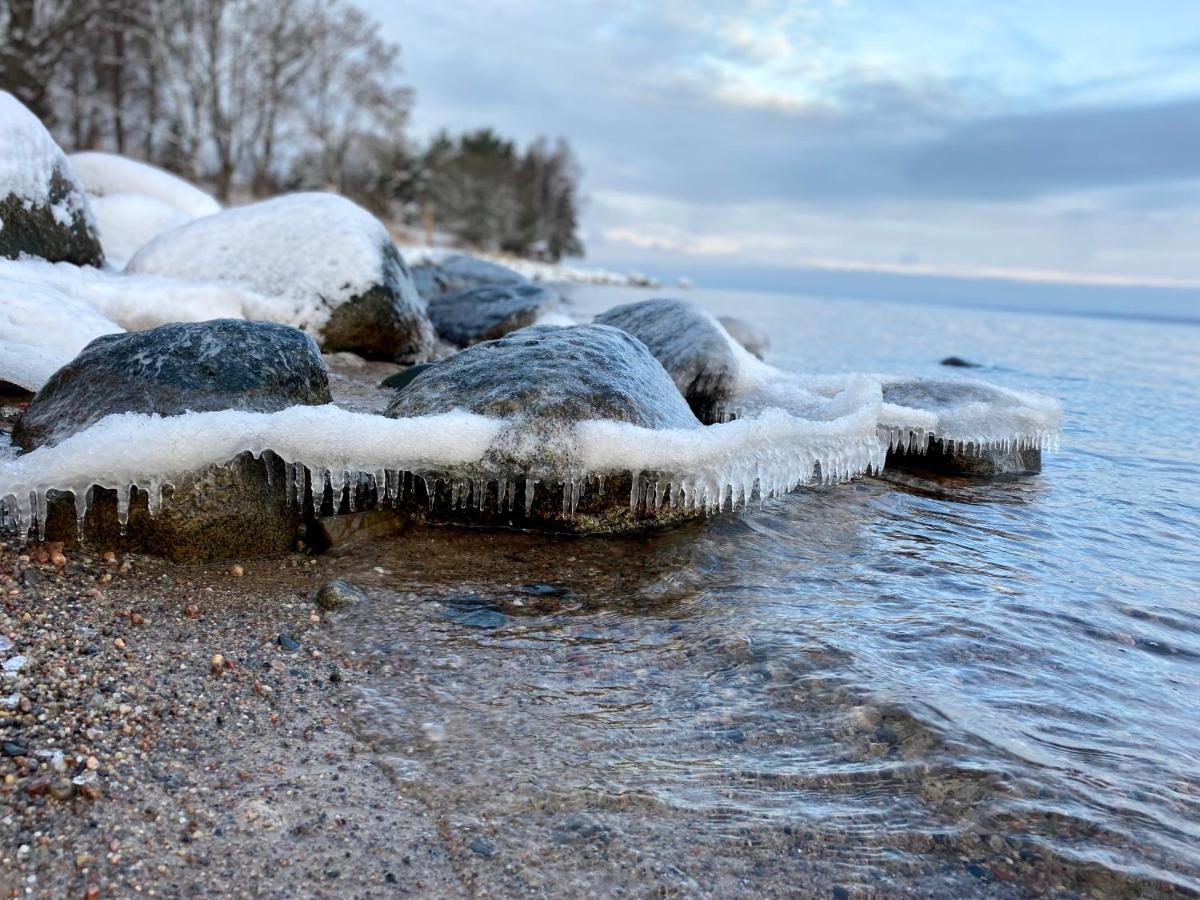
point(92, 892)
point(236, 571)
point(62, 789)
point(58, 559)
point(192, 611)
point(92, 763)
point(38, 786)
point(119, 643)
point(218, 663)
point(109, 556)
point(137, 619)
point(91, 790)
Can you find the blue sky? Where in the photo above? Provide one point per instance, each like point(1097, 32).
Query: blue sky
point(1047, 141)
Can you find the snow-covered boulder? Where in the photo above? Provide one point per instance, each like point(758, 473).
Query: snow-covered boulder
point(43, 210)
point(488, 312)
point(543, 382)
point(127, 222)
point(330, 263)
point(438, 275)
point(105, 174)
point(690, 344)
point(41, 329)
point(753, 337)
point(219, 512)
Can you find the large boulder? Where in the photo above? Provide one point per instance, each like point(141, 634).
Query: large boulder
point(329, 265)
point(691, 345)
point(128, 222)
point(43, 210)
point(489, 312)
point(437, 276)
point(222, 511)
point(543, 381)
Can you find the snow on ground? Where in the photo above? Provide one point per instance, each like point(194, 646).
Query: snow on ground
point(29, 158)
point(42, 328)
point(307, 252)
point(127, 222)
point(138, 302)
point(103, 174)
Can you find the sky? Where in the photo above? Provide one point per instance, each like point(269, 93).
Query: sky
point(1047, 142)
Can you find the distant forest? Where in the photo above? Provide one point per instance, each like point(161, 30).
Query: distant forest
point(256, 97)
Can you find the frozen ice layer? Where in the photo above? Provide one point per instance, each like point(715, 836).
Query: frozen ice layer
point(706, 467)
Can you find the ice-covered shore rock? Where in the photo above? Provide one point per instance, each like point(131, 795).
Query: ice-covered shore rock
point(543, 382)
point(127, 222)
point(219, 511)
point(690, 344)
point(106, 174)
point(43, 209)
point(437, 276)
point(330, 263)
point(490, 311)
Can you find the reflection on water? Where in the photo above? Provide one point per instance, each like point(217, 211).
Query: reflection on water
point(928, 688)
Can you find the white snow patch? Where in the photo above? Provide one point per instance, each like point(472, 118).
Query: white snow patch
point(104, 174)
point(311, 252)
point(127, 222)
point(42, 328)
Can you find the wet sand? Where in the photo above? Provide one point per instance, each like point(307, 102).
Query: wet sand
point(271, 772)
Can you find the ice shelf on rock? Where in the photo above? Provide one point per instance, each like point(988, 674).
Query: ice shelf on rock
point(105, 174)
point(707, 467)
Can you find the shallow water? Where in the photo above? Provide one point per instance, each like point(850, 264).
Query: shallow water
point(933, 688)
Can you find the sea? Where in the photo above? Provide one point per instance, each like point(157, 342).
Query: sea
point(927, 688)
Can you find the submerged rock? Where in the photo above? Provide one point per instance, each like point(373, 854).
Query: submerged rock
point(329, 266)
point(43, 209)
point(235, 510)
point(754, 338)
point(457, 273)
point(544, 381)
point(490, 311)
point(690, 344)
point(958, 362)
point(338, 594)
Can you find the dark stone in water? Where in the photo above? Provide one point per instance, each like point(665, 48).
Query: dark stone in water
point(545, 380)
point(235, 510)
point(459, 273)
point(482, 848)
point(400, 380)
point(691, 345)
point(338, 594)
point(942, 459)
point(959, 362)
point(489, 311)
point(749, 335)
point(288, 643)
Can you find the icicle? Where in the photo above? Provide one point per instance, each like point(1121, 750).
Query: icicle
point(83, 499)
point(576, 490)
point(154, 498)
point(530, 487)
point(635, 478)
point(43, 511)
point(124, 495)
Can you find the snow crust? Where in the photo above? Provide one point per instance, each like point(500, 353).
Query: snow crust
point(42, 328)
point(139, 302)
point(29, 157)
point(311, 252)
point(541, 272)
point(127, 222)
point(105, 174)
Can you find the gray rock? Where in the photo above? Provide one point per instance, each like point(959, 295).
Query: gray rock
point(751, 336)
point(338, 594)
point(337, 534)
point(32, 229)
point(959, 363)
point(223, 512)
point(489, 312)
point(198, 367)
point(691, 345)
point(544, 380)
point(458, 273)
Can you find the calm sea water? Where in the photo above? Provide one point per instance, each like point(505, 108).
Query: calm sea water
point(939, 689)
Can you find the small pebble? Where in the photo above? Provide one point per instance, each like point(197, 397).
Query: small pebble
point(217, 664)
point(236, 571)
